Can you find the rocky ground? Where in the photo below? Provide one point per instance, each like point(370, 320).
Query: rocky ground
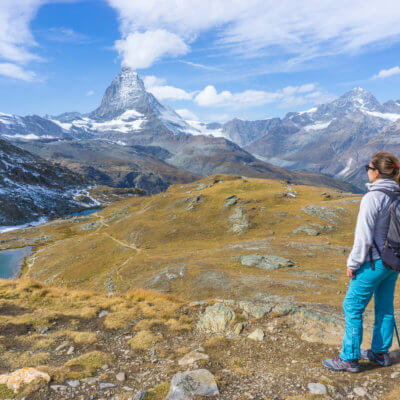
point(142, 344)
point(228, 287)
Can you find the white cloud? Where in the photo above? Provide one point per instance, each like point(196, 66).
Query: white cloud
point(90, 93)
point(140, 50)
point(156, 86)
point(16, 39)
point(288, 96)
point(385, 73)
point(15, 71)
point(256, 27)
point(187, 114)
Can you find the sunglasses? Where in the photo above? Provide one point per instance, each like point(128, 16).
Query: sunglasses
point(367, 168)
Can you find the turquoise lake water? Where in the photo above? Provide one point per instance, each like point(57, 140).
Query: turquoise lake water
point(11, 261)
point(85, 212)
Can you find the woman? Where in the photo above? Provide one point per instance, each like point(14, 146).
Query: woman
point(368, 275)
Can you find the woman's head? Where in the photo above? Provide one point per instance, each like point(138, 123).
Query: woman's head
point(384, 165)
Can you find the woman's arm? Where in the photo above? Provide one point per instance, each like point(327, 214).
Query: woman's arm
point(364, 232)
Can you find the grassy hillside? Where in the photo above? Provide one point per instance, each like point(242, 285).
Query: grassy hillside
point(128, 288)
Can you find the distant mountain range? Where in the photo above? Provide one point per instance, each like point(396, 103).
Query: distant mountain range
point(336, 138)
point(131, 139)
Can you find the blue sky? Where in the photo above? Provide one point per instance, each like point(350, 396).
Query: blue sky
point(211, 60)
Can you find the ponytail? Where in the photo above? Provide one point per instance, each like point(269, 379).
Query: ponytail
point(388, 165)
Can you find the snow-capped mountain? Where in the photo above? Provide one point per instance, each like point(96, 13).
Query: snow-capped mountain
point(130, 116)
point(32, 188)
point(319, 139)
point(126, 108)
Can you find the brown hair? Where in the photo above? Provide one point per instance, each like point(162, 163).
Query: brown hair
point(387, 165)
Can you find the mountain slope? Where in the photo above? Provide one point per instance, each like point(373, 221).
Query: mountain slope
point(31, 188)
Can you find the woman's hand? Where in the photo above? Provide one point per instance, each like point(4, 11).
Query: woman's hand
point(351, 273)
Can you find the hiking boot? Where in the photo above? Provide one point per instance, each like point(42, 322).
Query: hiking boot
point(382, 359)
point(337, 364)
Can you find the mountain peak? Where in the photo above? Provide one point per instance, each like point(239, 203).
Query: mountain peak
point(126, 92)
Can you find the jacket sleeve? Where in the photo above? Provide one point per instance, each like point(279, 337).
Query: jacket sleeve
point(364, 232)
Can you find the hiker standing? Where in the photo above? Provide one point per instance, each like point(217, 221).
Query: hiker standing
point(369, 275)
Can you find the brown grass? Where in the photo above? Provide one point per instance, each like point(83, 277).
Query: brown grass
point(144, 340)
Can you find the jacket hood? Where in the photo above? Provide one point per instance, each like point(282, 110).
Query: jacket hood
point(388, 184)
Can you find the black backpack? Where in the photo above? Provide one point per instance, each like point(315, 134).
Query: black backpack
point(391, 251)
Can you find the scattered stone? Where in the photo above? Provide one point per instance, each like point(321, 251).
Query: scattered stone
point(311, 255)
point(70, 350)
point(21, 377)
point(161, 281)
point(330, 214)
point(106, 385)
point(194, 202)
point(238, 328)
point(192, 357)
point(267, 262)
point(186, 385)
point(103, 313)
point(73, 383)
point(254, 310)
point(197, 303)
point(121, 377)
point(359, 391)
point(316, 388)
point(44, 330)
point(239, 221)
point(230, 202)
point(58, 388)
point(258, 334)
point(62, 346)
point(140, 395)
point(394, 375)
point(216, 318)
point(309, 230)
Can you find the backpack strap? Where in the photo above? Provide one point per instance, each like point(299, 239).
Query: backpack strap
point(394, 199)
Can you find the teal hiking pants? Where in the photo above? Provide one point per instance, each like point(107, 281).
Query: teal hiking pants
point(381, 283)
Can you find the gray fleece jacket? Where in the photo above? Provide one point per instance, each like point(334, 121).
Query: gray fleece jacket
point(372, 222)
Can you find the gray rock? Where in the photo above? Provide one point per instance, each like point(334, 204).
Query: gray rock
point(309, 230)
point(216, 318)
point(212, 279)
point(44, 330)
point(121, 377)
point(317, 388)
point(330, 214)
point(267, 262)
point(73, 383)
point(70, 350)
point(239, 221)
point(238, 328)
point(140, 395)
point(192, 357)
point(103, 313)
point(256, 311)
point(257, 334)
point(230, 202)
point(161, 281)
point(57, 388)
point(106, 385)
point(359, 391)
point(186, 385)
point(194, 202)
point(62, 346)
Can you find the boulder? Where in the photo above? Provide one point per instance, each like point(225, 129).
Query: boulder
point(267, 262)
point(186, 385)
point(24, 376)
point(257, 334)
point(216, 318)
point(192, 357)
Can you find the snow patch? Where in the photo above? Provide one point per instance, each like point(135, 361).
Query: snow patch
point(389, 116)
point(317, 126)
